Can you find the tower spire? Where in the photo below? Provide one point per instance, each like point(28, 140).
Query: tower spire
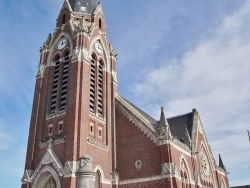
point(221, 163)
point(83, 6)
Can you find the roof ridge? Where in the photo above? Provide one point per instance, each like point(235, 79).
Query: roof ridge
point(137, 118)
point(180, 115)
point(139, 110)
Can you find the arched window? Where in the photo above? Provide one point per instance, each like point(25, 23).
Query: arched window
point(184, 175)
point(223, 185)
point(98, 179)
point(59, 86)
point(96, 86)
point(100, 23)
point(64, 19)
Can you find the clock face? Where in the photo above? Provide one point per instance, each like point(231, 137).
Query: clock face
point(204, 164)
point(98, 48)
point(62, 43)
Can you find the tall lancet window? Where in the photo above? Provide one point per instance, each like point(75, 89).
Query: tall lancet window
point(184, 175)
point(59, 85)
point(98, 179)
point(96, 86)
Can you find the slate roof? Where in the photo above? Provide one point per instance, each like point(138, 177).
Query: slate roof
point(179, 123)
point(78, 6)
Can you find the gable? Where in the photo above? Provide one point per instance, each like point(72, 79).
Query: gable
point(140, 119)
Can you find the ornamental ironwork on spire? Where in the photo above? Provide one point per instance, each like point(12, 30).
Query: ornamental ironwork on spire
point(83, 6)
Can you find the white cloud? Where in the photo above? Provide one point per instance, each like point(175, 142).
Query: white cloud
point(213, 77)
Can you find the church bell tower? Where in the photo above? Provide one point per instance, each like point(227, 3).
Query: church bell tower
point(71, 134)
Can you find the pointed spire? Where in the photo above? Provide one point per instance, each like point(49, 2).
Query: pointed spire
point(164, 128)
point(187, 139)
point(83, 6)
point(221, 163)
point(47, 41)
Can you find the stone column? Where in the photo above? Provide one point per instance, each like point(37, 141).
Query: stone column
point(85, 176)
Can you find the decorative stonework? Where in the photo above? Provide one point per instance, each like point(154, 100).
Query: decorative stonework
point(204, 164)
point(56, 114)
point(27, 176)
point(47, 158)
point(112, 51)
point(115, 177)
point(97, 144)
point(114, 76)
point(44, 175)
point(41, 69)
point(51, 158)
point(85, 175)
point(80, 24)
point(86, 162)
point(70, 169)
point(138, 164)
point(169, 169)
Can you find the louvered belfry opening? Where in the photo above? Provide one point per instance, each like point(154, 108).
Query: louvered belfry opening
point(60, 82)
point(55, 85)
point(64, 81)
point(96, 86)
point(100, 89)
point(92, 84)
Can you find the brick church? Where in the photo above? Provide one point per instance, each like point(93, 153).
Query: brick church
point(83, 134)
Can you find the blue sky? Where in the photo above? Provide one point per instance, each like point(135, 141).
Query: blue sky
point(173, 53)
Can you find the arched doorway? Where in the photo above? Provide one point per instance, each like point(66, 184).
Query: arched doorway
point(46, 178)
point(46, 181)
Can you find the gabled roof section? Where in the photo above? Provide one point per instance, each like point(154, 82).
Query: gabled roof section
point(83, 6)
point(139, 111)
point(149, 122)
point(181, 125)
